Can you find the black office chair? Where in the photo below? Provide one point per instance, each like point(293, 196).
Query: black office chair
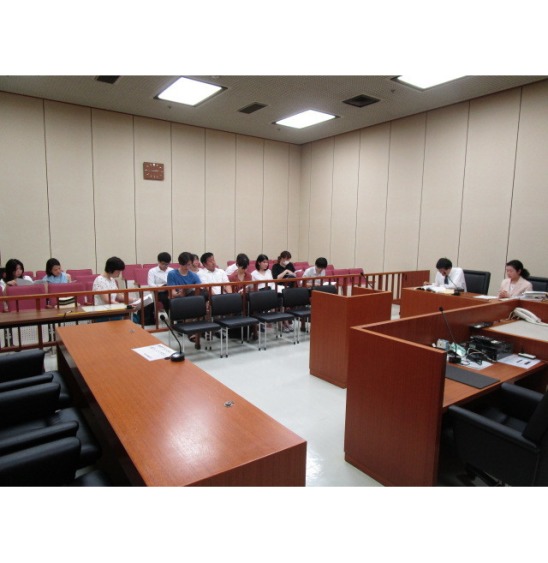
point(296, 301)
point(539, 284)
point(327, 288)
point(505, 442)
point(264, 306)
point(31, 415)
point(227, 311)
point(52, 463)
point(26, 368)
point(189, 316)
point(477, 281)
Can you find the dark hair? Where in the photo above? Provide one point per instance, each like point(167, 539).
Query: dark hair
point(321, 263)
point(194, 257)
point(518, 266)
point(444, 263)
point(260, 258)
point(284, 254)
point(114, 264)
point(11, 266)
point(164, 257)
point(49, 266)
point(185, 258)
point(242, 261)
point(205, 257)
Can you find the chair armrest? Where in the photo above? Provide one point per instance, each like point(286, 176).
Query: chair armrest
point(21, 364)
point(22, 440)
point(490, 427)
point(519, 402)
point(21, 405)
point(26, 382)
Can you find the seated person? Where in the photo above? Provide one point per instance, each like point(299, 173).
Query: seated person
point(318, 270)
point(183, 276)
point(262, 272)
point(14, 271)
point(114, 266)
point(283, 268)
point(240, 274)
point(233, 267)
point(195, 265)
point(515, 284)
point(211, 274)
point(54, 273)
point(448, 276)
point(157, 277)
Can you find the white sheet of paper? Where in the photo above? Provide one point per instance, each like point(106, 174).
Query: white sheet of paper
point(154, 352)
point(518, 361)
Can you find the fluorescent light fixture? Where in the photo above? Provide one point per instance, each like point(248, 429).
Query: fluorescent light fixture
point(425, 80)
point(305, 119)
point(188, 91)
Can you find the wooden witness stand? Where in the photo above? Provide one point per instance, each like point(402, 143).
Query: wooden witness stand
point(397, 390)
point(332, 317)
point(172, 424)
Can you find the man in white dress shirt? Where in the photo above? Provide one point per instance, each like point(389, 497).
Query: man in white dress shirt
point(449, 276)
point(157, 277)
point(211, 274)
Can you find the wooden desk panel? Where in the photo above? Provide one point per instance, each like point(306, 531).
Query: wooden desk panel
point(171, 419)
point(419, 302)
point(332, 317)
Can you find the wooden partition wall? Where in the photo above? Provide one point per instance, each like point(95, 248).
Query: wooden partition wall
point(416, 302)
point(397, 391)
point(332, 317)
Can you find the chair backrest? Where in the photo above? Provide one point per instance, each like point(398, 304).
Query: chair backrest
point(296, 297)
point(128, 273)
point(261, 301)
point(141, 276)
point(539, 284)
point(25, 304)
point(226, 304)
point(190, 307)
point(538, 423)
point(39, 275)
point(64, 288)
point(477, 281)
point(325, 288)
point(75, 274)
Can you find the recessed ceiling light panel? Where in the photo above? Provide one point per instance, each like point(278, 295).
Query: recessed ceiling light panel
point(427, 80)
point(305, 119)
point(189, 92)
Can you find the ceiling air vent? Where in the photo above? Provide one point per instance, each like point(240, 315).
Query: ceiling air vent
point(251, 108)
point(361, 101)
point(107, 79)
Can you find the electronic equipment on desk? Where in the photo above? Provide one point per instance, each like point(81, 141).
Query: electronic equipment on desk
point(537, 295)
point(526, 315)
point(492, 348)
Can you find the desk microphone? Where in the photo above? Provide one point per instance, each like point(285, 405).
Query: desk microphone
point(176, 356)
point(457, 289)
point(455, 351)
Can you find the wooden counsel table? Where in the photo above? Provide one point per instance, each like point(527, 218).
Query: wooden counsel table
point(332, 317)
point(172, 424)
point(397, 391)
point(416, 301)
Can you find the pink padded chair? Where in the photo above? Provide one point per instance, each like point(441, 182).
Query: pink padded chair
point(128, 273)
point(66, 287)
point(77, 274)
point(25, 304)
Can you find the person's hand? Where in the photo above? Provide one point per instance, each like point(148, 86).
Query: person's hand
point(503, 294)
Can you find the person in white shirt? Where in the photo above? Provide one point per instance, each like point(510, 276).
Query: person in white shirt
point(262, 272)
point(14, 270)
point(317, 270)
point(233, 267)
point(157, 277)
point(107, 280)
point(211, 274)
point(449, 276)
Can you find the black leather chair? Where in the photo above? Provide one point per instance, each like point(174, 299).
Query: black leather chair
point(539, 284)
point(26, 368)
point(327, 288)
point(189, 316)
point(52, 463)
point(30, 415)
point(264, 306)
point(505, 442)
point(227, 311)
point(477, 281)
point(296, 301)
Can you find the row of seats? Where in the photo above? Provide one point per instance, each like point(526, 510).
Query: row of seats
point(44, 440)
point(228, 311)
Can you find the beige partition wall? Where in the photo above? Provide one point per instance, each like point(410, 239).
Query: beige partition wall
point(371, 204)
point(527, 241)
point(24, 213)
point(444, 166)
point(304, 205)
point(188, 190)
point(293, 214)
point(404, 193)
point(70, 184)
point(114, 187)
point(488, 183)
point(344, 202)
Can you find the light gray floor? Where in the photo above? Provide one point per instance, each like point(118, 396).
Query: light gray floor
point(278, 382)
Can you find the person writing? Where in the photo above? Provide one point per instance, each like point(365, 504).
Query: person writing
point(240, 274)
point(515, 284)
point(14, 271)
point(449, 276)
point(318, 270)
point(114, 266)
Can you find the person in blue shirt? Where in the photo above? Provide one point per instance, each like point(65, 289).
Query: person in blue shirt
point(54, 274)
point(183, 276)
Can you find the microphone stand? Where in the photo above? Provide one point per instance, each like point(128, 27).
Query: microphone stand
point(454, 358)
point(176, 356)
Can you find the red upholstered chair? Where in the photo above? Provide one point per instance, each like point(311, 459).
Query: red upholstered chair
point(141, 277)
point(66, 287)
point(39, 274)
point(25, 304)
point(77, 274)
point(128, 273)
